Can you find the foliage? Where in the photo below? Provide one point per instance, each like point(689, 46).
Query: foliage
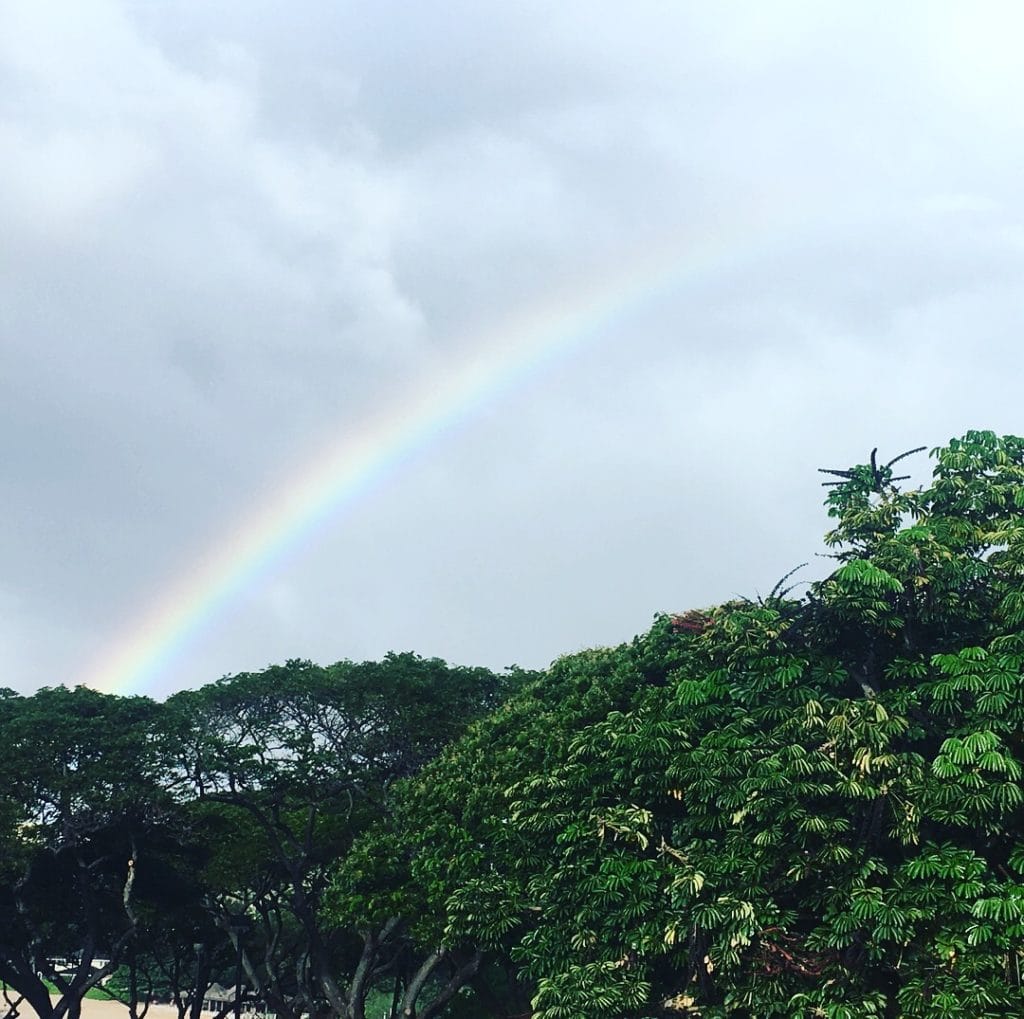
point(173, 840)
point(86, 804)
point(778, 808)
point(287, 766)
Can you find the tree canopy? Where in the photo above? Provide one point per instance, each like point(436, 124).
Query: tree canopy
point(161, 842)
point(774, 807)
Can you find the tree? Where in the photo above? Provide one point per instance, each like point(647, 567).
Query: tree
point(85, 806)
point(449, 834)
point(777, 807)
point(287, 767)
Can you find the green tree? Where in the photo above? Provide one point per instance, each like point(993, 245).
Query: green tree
point(287, 767)
point(85, 804)
point(782, 807)
point(449, 834)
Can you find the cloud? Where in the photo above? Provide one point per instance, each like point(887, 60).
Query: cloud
point(233, 233)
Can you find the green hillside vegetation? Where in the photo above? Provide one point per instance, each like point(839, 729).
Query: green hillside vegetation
point(791, 806)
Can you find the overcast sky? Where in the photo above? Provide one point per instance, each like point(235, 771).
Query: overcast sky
point(236, 234)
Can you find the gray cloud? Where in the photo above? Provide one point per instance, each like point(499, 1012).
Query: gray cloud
point(233, 233)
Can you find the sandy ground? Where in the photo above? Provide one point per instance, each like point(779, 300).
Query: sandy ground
point(96, 1009)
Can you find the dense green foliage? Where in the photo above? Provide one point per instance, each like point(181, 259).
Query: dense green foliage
point(163, 845)
point(788, 807)
point(773, 808)
point(84, 791)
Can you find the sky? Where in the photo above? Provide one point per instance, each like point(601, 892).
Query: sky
point(483, 330)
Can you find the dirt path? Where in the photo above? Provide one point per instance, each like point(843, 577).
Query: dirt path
point(96, 1009)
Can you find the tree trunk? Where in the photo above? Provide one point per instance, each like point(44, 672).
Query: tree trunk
point(422, 975)
point(458, 980)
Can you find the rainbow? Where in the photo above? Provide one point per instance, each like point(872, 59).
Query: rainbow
point(355, 462)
